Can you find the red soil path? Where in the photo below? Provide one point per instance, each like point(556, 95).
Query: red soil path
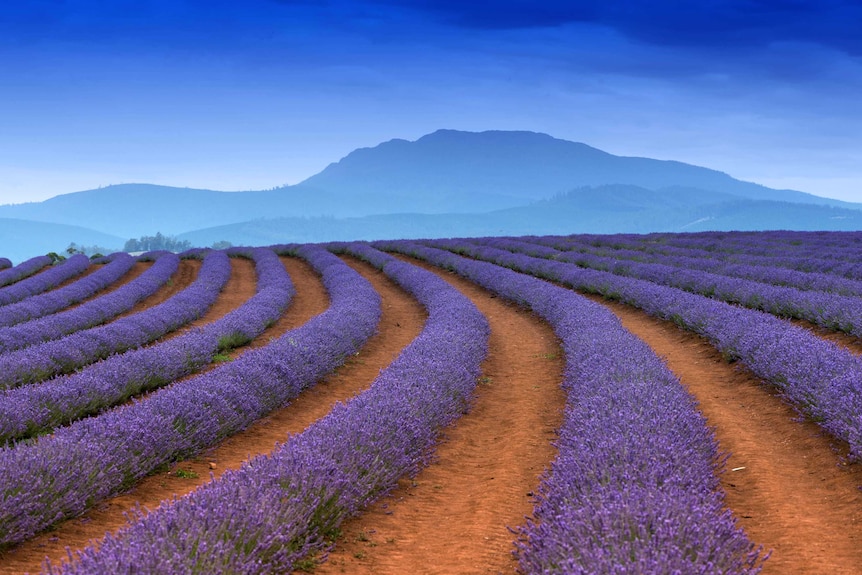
point(454, 516)
point(785, 480)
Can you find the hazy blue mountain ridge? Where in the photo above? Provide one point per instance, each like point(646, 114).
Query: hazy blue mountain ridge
point(445, 183)
point(23, 239)
point(601, 210)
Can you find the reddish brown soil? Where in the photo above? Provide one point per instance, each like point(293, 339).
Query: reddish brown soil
point(184, 276)
point(785, 480)
point(454, 516)
point(137, 269)
point(845, 340)
point(90, 269)
point(239, 288)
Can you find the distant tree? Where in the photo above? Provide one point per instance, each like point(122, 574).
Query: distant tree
point(55, 257)
point(87, 250)
point(156, 242)
point(222, 245)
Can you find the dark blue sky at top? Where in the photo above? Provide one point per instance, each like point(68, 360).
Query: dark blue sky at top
point(250, 95)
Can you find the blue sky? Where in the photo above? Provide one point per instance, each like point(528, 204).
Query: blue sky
point(247, 95)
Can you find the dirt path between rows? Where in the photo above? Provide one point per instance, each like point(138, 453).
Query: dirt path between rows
point(401, 321)
point(240, 287)
point(784, 480)
point(136, 270)
point(182, 278)
point(848, 341)
point(454, 516)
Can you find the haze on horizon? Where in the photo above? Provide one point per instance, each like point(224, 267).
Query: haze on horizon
point(254, 95)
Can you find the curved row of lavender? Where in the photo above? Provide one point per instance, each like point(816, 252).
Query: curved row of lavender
point(838, 246)
point(794, 250)
point(61, 475)
point(740, 266)
point(64, 355)
point(821, 379)
point(91, 313)
point(634, 486)
point(32, 409)
point(832, 311)
point(48, 279)
point(23, 270)
point(277, 509)
point(37, 306)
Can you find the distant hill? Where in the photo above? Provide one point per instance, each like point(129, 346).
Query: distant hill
point(490, 180)
point(134, 210)
point(602, 209)
point(23, 239)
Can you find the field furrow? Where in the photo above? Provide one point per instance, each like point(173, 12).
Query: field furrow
point(454, 516)
point(785, 480)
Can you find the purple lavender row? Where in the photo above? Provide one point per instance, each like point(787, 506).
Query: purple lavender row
point(833, 311)
point(23, 270)
point(64, 355)
point(835, 246)
point(743, 247)
point(89, 314)
point(691, 260)
point(634, 486)
point(277, 509)
point(61, 475)
point(48, 279)
point(821, 379)
point(55, 300)
point(33, 409)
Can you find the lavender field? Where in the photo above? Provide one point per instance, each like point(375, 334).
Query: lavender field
point(99, 390)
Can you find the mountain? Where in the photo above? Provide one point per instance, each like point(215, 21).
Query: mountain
point(447, 171)
point(602, 210)
point(478, 182)
point(462, 172)
point(134, 210)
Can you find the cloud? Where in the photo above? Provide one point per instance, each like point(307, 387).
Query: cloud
point(715, 23)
